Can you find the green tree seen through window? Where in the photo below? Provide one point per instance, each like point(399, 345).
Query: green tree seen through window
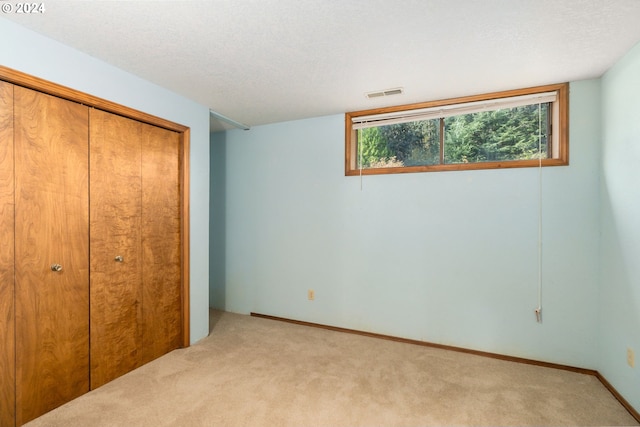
point(487, 136)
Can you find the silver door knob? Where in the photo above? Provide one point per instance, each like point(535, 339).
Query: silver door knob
point(119, 258)
point(56, 267)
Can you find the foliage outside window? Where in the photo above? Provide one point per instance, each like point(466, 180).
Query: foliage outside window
point(519, 128)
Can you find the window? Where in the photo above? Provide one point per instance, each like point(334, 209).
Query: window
point(518, 128)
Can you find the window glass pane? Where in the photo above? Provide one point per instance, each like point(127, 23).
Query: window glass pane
point(399, 145)
point(499, 135)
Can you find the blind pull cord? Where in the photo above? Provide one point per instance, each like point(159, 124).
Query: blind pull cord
point(538, 310)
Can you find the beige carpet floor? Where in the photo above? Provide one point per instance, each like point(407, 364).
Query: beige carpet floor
point(259, 372)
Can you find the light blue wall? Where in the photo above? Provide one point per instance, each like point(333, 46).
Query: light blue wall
point(31, 53)
point(217, 228)
point(447, 257)
point(620, 204)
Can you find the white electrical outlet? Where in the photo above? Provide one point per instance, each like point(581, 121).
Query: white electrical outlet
point(311, 294)
point(631, 358)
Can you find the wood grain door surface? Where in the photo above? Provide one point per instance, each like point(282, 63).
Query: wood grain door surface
point(7, 325)
point(161, 242)
point(116, 215)
point(136, 306)
point(52, 223)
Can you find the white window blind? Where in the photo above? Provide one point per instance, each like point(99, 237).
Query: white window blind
point(443, 111)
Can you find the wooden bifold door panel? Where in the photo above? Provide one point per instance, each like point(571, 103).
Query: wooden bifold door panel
point(135, 244)
point(7, 328)
point(161, 242)
point(116, 214)
point(51, 220)
point(93, 229)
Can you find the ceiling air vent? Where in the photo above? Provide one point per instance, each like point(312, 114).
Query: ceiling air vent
point(387, 92)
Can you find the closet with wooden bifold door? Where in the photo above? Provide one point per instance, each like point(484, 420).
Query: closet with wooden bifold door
point(92, 260)
point(135, 244)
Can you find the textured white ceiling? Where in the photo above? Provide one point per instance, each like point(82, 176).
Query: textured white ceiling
point(265, 61)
